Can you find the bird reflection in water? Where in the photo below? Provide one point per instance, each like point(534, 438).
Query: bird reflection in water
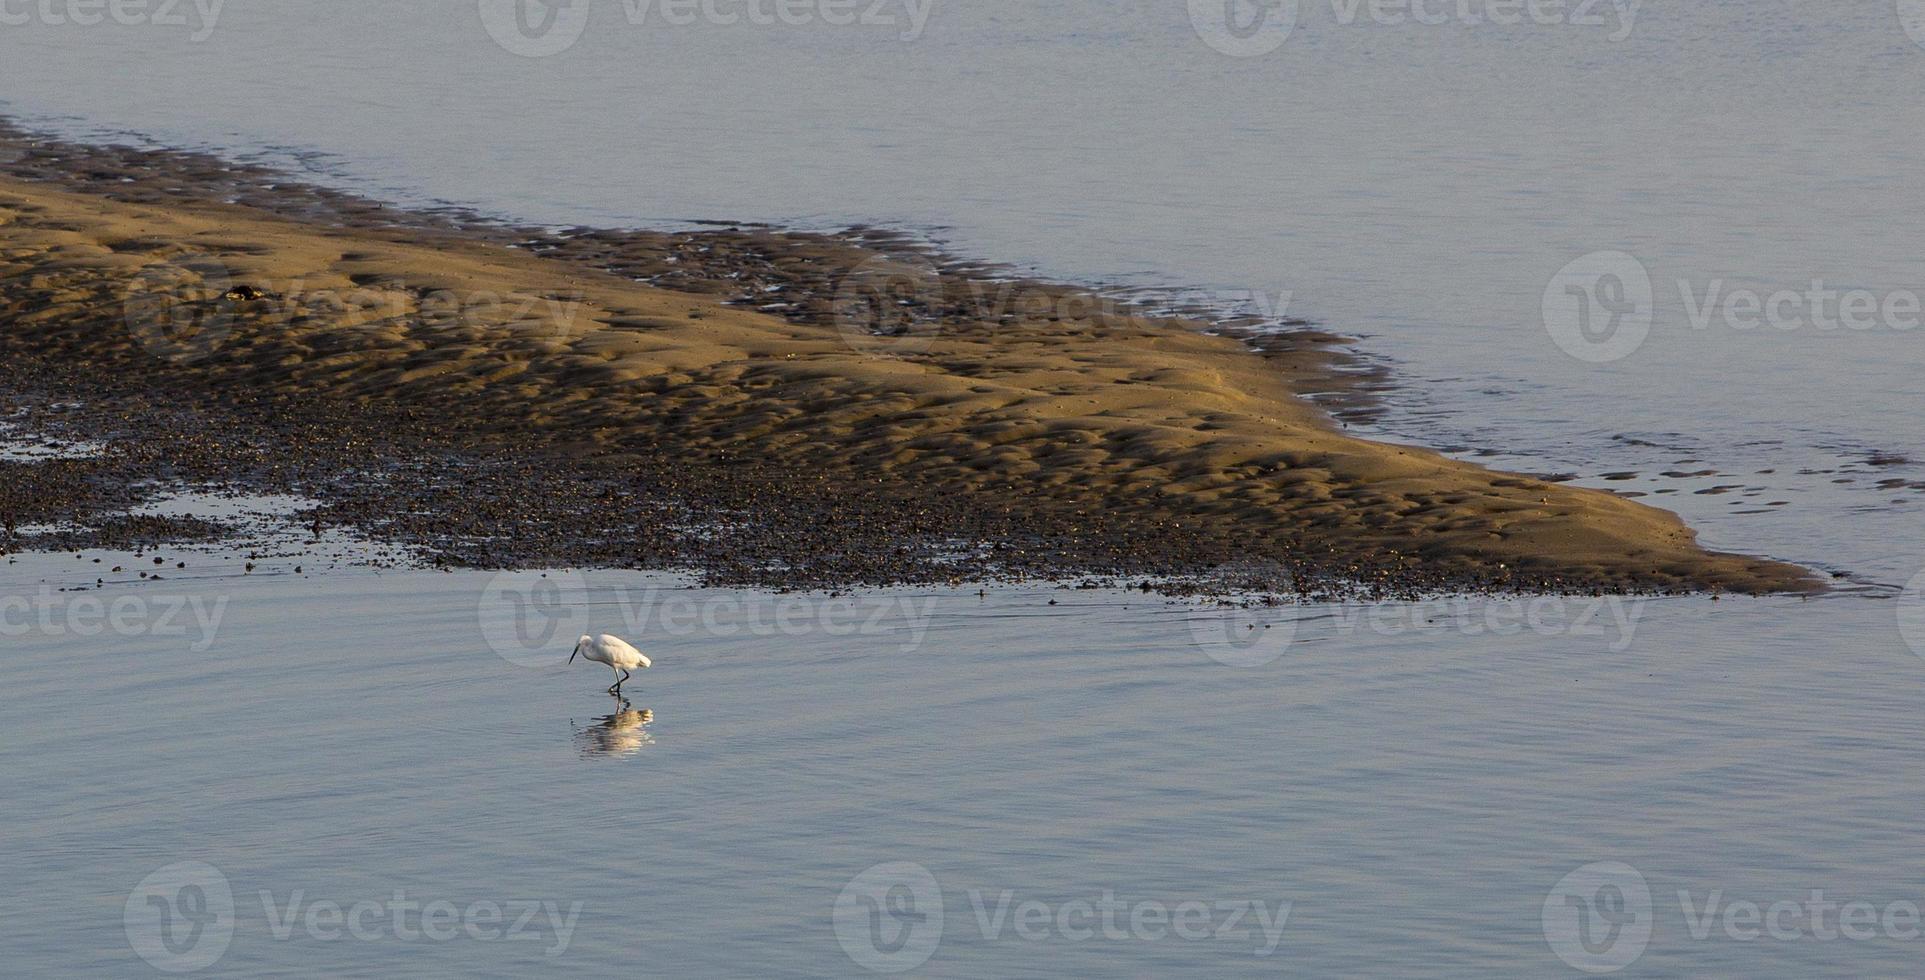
point(623, 733)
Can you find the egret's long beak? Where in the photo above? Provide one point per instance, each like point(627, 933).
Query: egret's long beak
point(578, 649)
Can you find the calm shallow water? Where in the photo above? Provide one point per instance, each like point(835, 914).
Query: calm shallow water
point(1414, 785)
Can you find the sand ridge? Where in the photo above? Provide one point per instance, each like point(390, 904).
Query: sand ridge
point(1055, 411)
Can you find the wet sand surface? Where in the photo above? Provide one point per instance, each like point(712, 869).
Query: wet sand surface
point(766, 407)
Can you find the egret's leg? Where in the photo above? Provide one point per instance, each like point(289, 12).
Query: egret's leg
point(616, 687)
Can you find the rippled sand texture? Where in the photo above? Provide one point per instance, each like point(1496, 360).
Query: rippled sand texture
point(1142, 420)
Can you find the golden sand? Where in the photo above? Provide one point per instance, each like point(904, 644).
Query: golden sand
point(1123, 414)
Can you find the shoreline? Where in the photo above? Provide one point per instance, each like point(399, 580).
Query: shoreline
point(773, 408)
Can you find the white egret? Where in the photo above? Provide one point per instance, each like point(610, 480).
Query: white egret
point(613, 651)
